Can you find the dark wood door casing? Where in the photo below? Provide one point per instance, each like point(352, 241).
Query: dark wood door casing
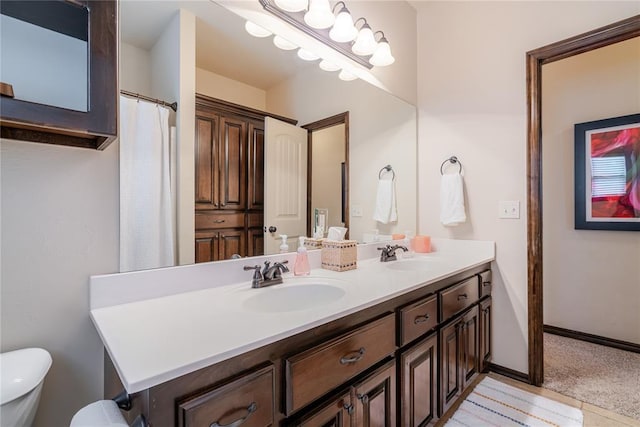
point(601, 37)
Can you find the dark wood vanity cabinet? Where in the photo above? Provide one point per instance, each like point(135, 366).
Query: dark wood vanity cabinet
point(485, 334)
point(418, 381)
point(375, 398)
point(94, 124)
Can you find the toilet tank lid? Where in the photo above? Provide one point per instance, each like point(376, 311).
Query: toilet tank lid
point(21, 371)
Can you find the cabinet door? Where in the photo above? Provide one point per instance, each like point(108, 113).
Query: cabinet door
point(255, 242)
point(255, 169)
point(206, 246)
point(232, 172)
point(469, 348)
point(375, 398)
point(485, 334)
point(450, 385)
point(232, 242)
point(337, 413)
point(206, 162)
point(418, 383)
point(247, 401)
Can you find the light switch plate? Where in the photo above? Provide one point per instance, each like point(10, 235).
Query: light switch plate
point(509, 209)
point(356, 211)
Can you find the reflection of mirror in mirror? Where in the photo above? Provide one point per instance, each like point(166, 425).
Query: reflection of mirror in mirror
point(233, 66)
point(45, 52)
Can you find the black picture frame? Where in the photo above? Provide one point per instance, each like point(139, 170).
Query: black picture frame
point(600, 132)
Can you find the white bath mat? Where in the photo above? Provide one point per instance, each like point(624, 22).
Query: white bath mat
point(493, 403)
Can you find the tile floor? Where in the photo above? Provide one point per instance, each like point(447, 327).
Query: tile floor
point(593, 415)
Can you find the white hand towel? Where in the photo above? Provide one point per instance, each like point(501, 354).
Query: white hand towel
point(385, 211)
point(452, 200)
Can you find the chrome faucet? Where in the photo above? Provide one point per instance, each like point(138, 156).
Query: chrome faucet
point(270, 274)
point(389, 252)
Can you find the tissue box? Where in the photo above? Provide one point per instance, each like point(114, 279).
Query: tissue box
point(310, 243)
point(339, 255)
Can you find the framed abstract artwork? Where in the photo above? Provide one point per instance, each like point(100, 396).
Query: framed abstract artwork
point(607, 174)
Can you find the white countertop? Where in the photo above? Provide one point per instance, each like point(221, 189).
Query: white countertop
point(152, 339)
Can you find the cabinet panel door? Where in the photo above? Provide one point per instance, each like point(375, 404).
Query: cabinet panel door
point(233, 148)
point(418, 383)
point(375, 398)
point(206, 247)
point(337, 413)
point(256, 166)
point(450, 385)
point(232, 242)
point(469, 346)
point(255, 244)
point(206, 161)
point(485, 334)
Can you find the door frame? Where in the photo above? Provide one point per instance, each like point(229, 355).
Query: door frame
point(338, 119)
point(601, 37)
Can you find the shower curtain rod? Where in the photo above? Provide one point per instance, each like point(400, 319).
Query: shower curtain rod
point(172, 105)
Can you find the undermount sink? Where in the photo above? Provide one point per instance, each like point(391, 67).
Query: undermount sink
point(414, 264)
point(294, 297)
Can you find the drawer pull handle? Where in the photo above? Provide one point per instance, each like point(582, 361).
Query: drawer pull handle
point(344, 360)
point(421, 319)
point(462, 296)
point(486, 283)
point(219, 221)
point(348, 407)
point(250, 410)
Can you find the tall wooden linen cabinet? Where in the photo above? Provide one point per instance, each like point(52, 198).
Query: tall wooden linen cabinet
point(229, 180)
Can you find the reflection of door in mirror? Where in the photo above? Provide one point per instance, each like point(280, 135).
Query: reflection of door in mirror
point(328, 165)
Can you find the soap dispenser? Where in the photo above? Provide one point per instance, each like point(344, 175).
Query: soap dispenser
point(284, 248)
point(301, 267)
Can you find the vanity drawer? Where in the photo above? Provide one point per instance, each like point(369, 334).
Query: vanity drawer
point(249, 397)
point(485, 283)
point(458, 297)
point(418, 318)
point(219, 220)
point(314, 372)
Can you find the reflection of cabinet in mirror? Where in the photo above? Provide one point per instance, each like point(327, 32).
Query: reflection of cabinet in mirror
point(52, 103)
point(229, 179)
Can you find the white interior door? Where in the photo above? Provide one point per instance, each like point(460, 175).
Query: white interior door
point(285, 184)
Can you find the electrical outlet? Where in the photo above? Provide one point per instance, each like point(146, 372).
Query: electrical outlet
point(509, 209)
point(356, 211)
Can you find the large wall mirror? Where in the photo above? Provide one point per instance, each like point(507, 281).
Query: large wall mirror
point(235, 67)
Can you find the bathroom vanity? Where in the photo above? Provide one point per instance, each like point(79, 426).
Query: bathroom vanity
point(392, 343)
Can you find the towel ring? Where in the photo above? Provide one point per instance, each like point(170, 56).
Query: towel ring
point(452, 160)
point(387, 168)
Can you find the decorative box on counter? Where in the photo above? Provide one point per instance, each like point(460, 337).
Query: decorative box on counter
point(311, 243)
point(339, 255)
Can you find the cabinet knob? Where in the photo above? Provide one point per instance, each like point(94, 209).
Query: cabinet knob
point(364, 398)
point(348, 407)
point(272, 229)
point(345, 360)
point(250, 410)
point(421, 319)
point(486, 283)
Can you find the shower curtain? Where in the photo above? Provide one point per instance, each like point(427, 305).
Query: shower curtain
point(147, 214)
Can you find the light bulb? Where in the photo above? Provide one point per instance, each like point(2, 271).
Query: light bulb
point(292, 5)
point(283, 44)
point(307, 55)
point(365, 43)
point(256, 30)
point(328, 66)
point(319, 15)
point(343, 30)
point(382, 56)
point(346, 76)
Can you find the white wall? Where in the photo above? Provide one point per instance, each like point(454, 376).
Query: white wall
point(59, 226)
point(471, 101)
point(135, 69)
point(217, 86)
point(173, 61)
point(328, 153)
point(382, 130)
point(591, 277)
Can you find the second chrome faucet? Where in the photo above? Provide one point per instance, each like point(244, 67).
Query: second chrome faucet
point(269, 275)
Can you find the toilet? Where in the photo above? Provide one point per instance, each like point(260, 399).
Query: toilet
point(22, 374)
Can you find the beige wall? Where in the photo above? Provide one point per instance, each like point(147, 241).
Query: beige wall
point(135, 69)
point(590, 277)
point(217, 86)
point(328, 152)
point(471, 101)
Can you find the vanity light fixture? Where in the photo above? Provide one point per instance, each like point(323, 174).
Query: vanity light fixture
point(319, 15)
point(292, 5)
point(343, 29)
point(307, 55)
point(365, 43)
point(328, 65)
point(283, 43)
point(382, 55)
point(256, 30)
point(346, 76)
